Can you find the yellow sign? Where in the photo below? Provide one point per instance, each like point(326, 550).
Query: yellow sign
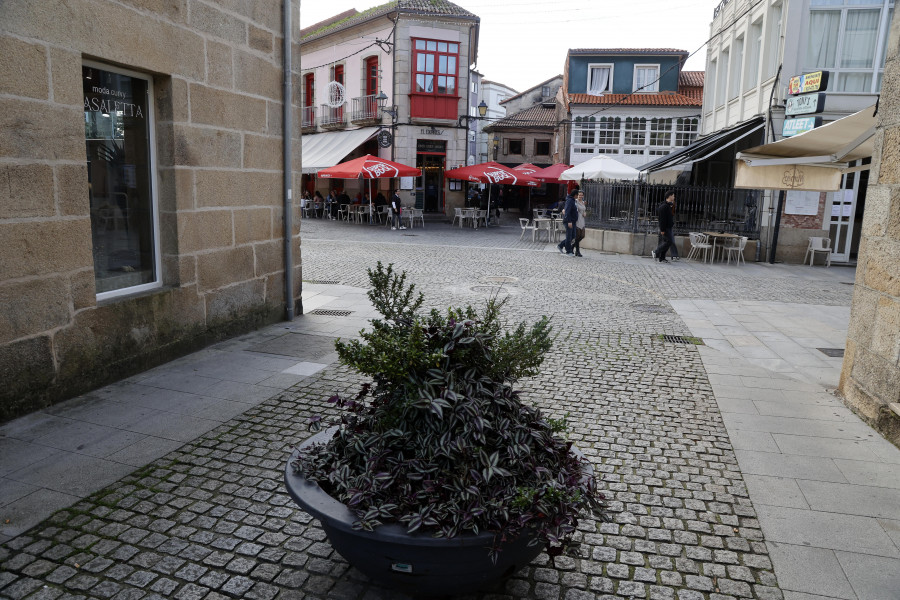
point(811, 82)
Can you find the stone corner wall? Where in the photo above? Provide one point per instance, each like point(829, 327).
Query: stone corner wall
point(870, 376)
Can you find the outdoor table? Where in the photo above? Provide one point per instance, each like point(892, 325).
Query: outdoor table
point(718, 235)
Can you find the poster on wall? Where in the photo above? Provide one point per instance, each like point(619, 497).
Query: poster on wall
point(801, 203)
point(407, 183)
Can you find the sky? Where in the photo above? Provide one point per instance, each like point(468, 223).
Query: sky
point(524, 42)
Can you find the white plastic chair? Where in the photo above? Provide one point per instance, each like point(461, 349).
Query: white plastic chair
point(818, 244)
point(457, 217)
point(699, 242)
point(480, 217)
point(737, 249)
point(524, 224)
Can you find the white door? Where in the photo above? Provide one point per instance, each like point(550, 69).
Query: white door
point(840, 223)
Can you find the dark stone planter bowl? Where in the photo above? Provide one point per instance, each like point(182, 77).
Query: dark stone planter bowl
point(412, 563)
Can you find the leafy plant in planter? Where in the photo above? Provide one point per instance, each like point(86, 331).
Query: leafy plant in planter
point(439, 441)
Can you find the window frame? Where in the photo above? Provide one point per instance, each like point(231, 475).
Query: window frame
point(507, 146)
point(751, 72)
point(736, 69)
point(309, 85)
point(369, 78)
point(592, 66)
point(722, 83)
point(650, 90)
point(153, 177)
point(772, 35)
point(414, 63)
point(535, 148)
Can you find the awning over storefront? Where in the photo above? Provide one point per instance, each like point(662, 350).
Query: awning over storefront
point(814, 160)
point(322, 150)
point(705, 147)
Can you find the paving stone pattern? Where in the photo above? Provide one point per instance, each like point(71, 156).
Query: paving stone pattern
point(211, 520)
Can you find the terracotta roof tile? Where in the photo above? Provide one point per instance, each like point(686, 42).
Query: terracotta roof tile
point(691, 78)
point(534, 87)
point(664, 99)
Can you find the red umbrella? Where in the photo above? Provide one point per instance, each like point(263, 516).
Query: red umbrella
point(551, 173)
point(490, 173)
point(369, 167)
point(527, 168)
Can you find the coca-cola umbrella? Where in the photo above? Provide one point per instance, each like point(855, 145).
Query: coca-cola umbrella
point(491, 173)
point(369, 167)
point(550, 174)
point(528, 169)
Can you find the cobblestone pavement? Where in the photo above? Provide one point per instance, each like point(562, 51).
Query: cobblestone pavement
point(212, 520)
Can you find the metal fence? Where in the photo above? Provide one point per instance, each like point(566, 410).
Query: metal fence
point(632, 207)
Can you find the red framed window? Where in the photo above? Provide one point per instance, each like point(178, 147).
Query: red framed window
point(309, 89)
point(371, 76)
point(337, 73)
point(435, 67)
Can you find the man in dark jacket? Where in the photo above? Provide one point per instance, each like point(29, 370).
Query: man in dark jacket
point(666, 218)
point(570, 217)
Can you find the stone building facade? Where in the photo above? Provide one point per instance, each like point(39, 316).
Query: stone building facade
point(142, 203)
point(870, 378)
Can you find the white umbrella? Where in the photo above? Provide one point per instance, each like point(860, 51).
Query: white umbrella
point(600, 167)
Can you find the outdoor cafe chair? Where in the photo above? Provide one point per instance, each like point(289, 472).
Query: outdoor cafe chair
point(544, 224)
point(818, 244)
point(699, 242)
point(457, 217)
point(480, 217)
point(416, 213)
point(736, 247)
point(524, 224)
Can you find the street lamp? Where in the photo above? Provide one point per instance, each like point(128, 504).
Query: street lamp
point(393, 111)
point(482, 111)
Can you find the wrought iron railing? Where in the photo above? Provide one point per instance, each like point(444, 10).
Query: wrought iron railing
point(364, 108)
point(308, 117)
point(333, 117)
point(632, 207)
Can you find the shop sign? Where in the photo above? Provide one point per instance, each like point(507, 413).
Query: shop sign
point(805, 104)
point(436, 146)
point(811, 82)
point(800, 125)
point(432, 131)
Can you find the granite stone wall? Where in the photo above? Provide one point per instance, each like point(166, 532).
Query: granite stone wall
point(870, 379)
point(216, 73)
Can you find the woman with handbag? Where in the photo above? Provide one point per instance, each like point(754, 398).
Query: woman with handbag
point(579, 224)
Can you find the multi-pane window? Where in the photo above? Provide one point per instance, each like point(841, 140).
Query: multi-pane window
point(847, 37)
point(608, 130)
point(585, 130)
point(723, 78)
point(371, 76)
point(646, 78)
point(309, 89)
point(660, 132)
point(773, 39)
point(751, 73)
point(686, 129)
point(709, 96)
point(435, 67)
point(118, 132)
point(635, 135)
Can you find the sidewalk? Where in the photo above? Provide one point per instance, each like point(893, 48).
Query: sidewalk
point(824, 488)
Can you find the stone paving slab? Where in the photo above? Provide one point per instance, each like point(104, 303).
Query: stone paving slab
point(209, 519)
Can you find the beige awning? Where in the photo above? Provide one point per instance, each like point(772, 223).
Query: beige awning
point(323, 150)
point(809, 178)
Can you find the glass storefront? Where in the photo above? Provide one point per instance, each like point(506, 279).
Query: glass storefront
point(117, 133)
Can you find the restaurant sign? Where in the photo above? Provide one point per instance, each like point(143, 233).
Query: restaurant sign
point(811, 82)
point(800, 125)
point(805, 104)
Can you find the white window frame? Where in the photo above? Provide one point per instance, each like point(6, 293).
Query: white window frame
point(751, 71)
point(722, 84)
point(709, 95)
point(154, 182)
point(772, 34)
point(591, 66)
point(737, 60)
point(651, 89)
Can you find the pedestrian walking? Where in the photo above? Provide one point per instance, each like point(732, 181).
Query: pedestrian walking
point(396, 211)
point(570, 218)
point(666, 220)
point(579, 224)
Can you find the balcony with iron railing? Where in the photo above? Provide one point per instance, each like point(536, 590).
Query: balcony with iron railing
point(308, 118)
point(364, 109)
point(333, 118)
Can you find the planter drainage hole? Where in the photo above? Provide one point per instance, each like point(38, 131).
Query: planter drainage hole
point(832, 352)
point(322, 281)
point(331, 313)
point(679, 339)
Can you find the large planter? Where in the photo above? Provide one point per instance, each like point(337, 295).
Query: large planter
point(412, 563)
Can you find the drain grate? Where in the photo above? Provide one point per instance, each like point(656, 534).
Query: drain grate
point(331, 313)
point(680, 339)
point(651, 308)
point(832, 352)
point(322, 281)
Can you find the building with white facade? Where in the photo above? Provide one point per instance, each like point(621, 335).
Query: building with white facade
point(492, 93)
point(417, 53)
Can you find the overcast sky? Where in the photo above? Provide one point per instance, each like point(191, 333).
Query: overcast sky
point(524, 42)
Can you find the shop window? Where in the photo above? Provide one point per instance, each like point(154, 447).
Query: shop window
point(118, 126)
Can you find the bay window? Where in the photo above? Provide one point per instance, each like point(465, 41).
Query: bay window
point(435, 74)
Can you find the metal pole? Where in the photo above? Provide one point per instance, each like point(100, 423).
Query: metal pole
point(781, 196)
point(288, 180)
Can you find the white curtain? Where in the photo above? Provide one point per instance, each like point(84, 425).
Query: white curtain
point(823, 39)
point(599, 81)
point(860, 37)
point(645, 79)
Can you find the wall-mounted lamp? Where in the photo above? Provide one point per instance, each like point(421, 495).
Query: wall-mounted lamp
point(393, 111)
point(482, 110)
